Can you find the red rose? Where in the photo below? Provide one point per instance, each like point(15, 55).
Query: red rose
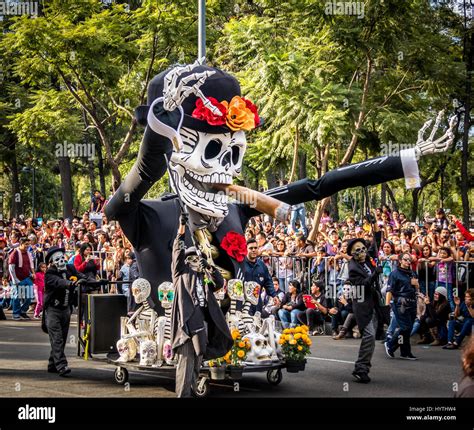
point(235, 245)
point(205, 114)
point(253, 108)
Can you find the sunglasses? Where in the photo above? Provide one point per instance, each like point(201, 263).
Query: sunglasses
point(407, 259)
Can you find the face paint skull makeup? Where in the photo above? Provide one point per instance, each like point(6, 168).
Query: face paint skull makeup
point(260, 351)
point(59, 261)
point(252, 292)
point(148, 353)
point(166, 294)
point(127, 348)
point(235, 289)
point(141, 289)
point(359, 252)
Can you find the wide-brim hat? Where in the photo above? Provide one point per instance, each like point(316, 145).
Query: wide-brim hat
point(52, 251)
point(352, 242)
point(220, 85)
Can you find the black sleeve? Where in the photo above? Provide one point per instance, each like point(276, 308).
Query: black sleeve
point(300, 302)
point(217, 279)
point(54, 282)
point(370, 172)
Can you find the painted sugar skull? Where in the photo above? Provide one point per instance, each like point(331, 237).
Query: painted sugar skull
point(260, 350)
point(141, 289)
point(148, 353)
point(59, 260)
point(166, 294)
point(235, 289)
point(252, 292)
point(208, 133)
point(127, 348)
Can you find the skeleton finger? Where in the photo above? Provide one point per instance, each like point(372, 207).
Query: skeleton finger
point(208, 104)
point(175, 95)
point(439, 117)
point(421, 132)
point(173, 74)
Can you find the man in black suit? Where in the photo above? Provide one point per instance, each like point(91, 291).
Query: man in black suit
point(364, 275)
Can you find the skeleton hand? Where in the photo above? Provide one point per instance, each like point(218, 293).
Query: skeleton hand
point(430, 146)
point(175, 93)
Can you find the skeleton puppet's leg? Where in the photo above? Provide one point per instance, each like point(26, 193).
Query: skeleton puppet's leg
point(369, 172)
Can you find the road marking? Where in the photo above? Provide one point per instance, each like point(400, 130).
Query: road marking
point(331, 359)
point(15, 328)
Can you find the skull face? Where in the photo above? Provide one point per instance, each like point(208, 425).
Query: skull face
point(359, 252)
point(347, 291)
point(235, 289)
point(204, 160)
point(260, 350)
point(127, 348)
point(252, 292)
point(141, 289)
point(166, 294)
point(148, 353)
point(58, 260)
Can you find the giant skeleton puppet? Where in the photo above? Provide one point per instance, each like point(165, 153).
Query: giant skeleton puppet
point(196, 122)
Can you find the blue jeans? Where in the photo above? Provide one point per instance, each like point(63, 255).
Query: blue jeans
point(405, 315)
point(393, 324)
point(23, 292)
point(289, 319)
point(449, 287)
point(431, 288)
point(465, 327)
point(299, 215)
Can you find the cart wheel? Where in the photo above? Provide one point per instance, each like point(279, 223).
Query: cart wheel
point(202, 388)
point(274, 376)
point(121, 375)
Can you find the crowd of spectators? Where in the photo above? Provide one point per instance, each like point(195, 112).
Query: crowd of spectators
point(309, 277)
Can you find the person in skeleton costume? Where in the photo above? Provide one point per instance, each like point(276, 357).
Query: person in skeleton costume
point(195, 123)
point(198, 327)
point(366, 300)
point(60, 284)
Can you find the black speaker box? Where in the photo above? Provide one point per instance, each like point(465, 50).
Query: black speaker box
point(105, 313)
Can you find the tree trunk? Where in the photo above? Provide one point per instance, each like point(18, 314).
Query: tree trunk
point(302, 172)
point(100, 163)
point(383, 194)
point(415, 193)
point(295, 155)
point(334, 207)
point(91, 170)
point(392, 198)
point(271, 177)
point(66, 185)
point(317, 217)
point(468, 46)
point(17, 199)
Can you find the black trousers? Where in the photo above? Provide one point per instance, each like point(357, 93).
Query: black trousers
point(57, 321)
point(312, 318)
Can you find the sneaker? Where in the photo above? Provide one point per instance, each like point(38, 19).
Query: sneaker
point(361, 377)
point(36, 317)
point(321, 330)
point(25, 317)
point(52, 369)
point(16, 317)
point(64, 371)
point(388, 351)
point(451, 346)
point(410, 357)
point(314, 333)
point(436, 342)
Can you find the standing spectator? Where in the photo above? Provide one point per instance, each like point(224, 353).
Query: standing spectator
point(445, 272)
point(125, 275)
point(86, 263)
point(402, 286)
point(316, 309)
point(97, 202)
point(21, 270)
point(426, 272)
point(256, 270)
point(291, 306)
point(462, 320)
point(284, 264)
point(39, 290)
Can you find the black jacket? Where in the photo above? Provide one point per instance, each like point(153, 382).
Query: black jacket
point(299, 302)
point(59, 288)
point(368, 285)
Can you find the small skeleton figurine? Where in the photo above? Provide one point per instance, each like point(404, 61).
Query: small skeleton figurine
point(127, 348)
point(143, 324)
point(148, 353)
point(260, 350)
point(235, 290)
point(166, 297)
point(251, 295)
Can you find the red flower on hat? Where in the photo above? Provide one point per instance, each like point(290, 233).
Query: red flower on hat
point(203, 113)
point(253, 108)
point(235, 245)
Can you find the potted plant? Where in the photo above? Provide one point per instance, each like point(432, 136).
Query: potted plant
point(217, 368)
point(237, 354)
point(295, 344)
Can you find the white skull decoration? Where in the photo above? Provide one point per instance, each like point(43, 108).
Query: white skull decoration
point(127, 348)
point(235, 289)
point(148, 353)
point(166, 294)
point(141, 289)
point(59, 261)
point(204, 160)
point(252, 292)
point(260, 350)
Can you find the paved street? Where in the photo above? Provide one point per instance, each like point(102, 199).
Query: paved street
point(24, 349)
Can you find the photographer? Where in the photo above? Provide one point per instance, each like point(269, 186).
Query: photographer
point(462, 320)
point(85, 262)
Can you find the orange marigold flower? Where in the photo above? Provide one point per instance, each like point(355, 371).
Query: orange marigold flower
point(241, 344)
point(239, 115)
point(240, 354)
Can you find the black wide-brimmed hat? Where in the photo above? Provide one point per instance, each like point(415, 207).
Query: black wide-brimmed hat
point(352, 242)
point(220, 85)
point(51, 251)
